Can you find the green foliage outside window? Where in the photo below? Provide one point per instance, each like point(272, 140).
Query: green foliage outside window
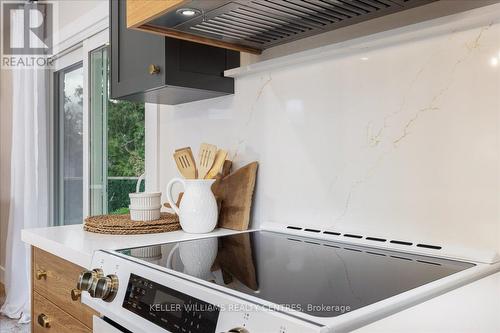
point(125, 152)
point(125, 139)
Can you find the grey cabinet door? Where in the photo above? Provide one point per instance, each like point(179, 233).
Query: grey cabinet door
point(131, 54)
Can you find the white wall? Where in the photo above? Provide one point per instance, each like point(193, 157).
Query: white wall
point(73, 10)
point(395, 134)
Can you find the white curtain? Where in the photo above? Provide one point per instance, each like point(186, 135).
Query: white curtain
point(29, 178)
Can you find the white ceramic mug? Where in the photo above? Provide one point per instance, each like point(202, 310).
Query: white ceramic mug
point(198, 211)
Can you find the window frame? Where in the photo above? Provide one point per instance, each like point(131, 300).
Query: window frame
point(57, 155)
point(90, 44)
point(72, 56)
point(104, 165)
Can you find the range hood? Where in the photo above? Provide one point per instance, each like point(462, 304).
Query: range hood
point(255, 25)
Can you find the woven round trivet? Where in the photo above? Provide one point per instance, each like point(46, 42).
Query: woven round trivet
point(123, 225)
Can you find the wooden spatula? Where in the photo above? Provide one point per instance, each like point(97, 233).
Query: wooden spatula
point(185, 163)
point(206, 158)
point(220, 157)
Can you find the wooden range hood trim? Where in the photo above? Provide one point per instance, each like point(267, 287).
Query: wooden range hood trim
point(194, 38)
point(139, 12)
point(143, 11)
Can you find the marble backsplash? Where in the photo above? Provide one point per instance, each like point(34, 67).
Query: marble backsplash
point(394, 139)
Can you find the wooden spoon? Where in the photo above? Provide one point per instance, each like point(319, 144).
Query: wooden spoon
point(185, 163)
point(206, 158)
point(220, 157)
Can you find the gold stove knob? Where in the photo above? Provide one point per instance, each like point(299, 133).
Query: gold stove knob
point(87, 277)
point(104, 288)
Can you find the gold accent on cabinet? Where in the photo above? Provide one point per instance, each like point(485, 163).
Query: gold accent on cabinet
point(57, 287)
point(43, 320)
point(41, 274)
point(153, 69)
point(76, 294)
point(51, 318)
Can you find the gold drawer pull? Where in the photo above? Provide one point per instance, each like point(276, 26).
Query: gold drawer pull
point(41, 274)
point(153, 69)
point(43, 320)
point(75, 294)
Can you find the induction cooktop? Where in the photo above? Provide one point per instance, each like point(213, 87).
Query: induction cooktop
point(316, 277)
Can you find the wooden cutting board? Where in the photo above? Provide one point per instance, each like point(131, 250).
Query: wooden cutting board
point(235, 259)
point(236, 193)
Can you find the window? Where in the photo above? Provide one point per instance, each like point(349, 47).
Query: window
point(116, 142)
point(69, 145)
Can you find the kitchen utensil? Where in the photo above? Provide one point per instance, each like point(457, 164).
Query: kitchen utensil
point(206, 158)
point(236, 192)
point(226, 168)
point(185, 163)
point(198, 209)
point(144, 206)
point(220, 157)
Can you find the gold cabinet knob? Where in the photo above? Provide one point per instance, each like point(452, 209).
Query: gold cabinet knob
point(153, 69)
point(75, 294)
point(43, 320)
point(41, 274)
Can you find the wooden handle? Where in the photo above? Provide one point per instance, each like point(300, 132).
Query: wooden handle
point(41, 274)
point(75, 294)
point(43, 320)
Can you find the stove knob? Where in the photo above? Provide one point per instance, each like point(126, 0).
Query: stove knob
point(238, 330)
point(87, 277)
point(104, 288)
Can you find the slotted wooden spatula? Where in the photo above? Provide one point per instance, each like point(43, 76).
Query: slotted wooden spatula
point(185, 163)
point(206, 158)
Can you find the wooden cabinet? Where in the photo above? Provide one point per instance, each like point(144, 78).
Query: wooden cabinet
point(53, 308)
point(48, 317)
point(155, 69)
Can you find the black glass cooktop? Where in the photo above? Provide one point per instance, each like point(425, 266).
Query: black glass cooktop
point(320, 278)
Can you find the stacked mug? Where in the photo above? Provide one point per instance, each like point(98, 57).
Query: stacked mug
point(144, 206)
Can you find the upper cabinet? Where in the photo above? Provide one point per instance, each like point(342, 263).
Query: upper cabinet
point(254, 25)
point(156, 69)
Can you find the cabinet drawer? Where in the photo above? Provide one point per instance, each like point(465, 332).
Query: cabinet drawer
point(58, 278)
point(44, 311)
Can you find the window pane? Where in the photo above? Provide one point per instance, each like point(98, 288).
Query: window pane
point(98, 131)
point(71, 146)
point(117, 142)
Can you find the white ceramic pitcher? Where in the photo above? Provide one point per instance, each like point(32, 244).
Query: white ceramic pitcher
point(198, 211)
point(197, 257)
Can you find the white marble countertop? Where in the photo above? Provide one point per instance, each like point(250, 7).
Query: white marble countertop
point(75, 245)
point(472, 308)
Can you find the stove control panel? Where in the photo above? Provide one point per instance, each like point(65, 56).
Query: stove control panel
point(168, 308)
